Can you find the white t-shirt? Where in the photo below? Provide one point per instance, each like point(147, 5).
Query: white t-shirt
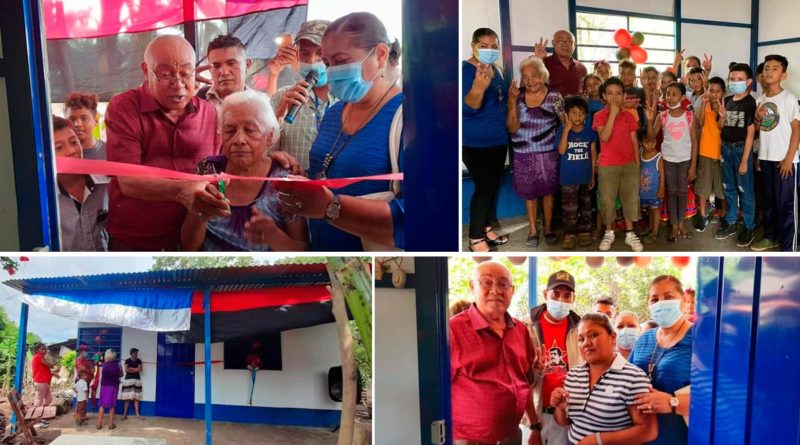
point(776, 127)
point(81, 387)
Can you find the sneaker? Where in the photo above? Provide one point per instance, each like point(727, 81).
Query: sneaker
point(607, 241)
point(764, 244)
point(700, 223)
point(725, 230)
point(745, 237)
point(632, 240)
point(569, 243)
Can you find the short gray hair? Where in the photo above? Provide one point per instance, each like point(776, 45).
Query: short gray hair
point(536, 63)
point(261, 107)
point(110, 355)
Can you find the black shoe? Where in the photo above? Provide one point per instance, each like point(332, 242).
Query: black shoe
point(725, 231)
point(723, 223)
point(745, 237)
point(499, 240)
point(700, 223)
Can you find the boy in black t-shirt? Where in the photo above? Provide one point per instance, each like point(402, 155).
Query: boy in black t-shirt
point(737, 159)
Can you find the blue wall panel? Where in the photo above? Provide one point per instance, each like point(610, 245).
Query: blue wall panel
point(175, 379)
point(704, 354)
point(775, 384)
point(509, 204)
point(739, 299)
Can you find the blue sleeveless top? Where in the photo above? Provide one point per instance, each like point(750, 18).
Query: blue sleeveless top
point(364, 153)
point(651, 177)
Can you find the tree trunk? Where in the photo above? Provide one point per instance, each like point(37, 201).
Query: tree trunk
point(347, 423)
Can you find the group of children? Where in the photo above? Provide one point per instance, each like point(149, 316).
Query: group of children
point(664, 151)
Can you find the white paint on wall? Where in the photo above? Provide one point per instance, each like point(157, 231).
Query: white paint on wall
point(657, 7)
point(792, 52)
point(308, 353)
point(696, 39)
point(532, 19)
point(737, 11)
point(778, 19)
point(478, 14)
point(396, 369)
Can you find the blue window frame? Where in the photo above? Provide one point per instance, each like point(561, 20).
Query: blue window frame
point(100, 339)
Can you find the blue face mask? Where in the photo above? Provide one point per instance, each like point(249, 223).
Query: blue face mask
point(737, 87)
point(666, 313)
point(558, 309)
point(626, 337)
point(319, 67)
point(347, 83)
point(488, 56)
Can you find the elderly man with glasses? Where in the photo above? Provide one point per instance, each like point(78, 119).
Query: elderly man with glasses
point(554, 332)
point(492, 364)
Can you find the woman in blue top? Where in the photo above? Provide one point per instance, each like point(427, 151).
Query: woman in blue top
point(484, 135)
point(665, 354)
point(353, 140)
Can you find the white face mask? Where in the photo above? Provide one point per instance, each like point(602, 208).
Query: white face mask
point(626, 337)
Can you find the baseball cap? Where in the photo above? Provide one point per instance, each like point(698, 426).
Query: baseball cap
point(561, 278)
point(312, 31)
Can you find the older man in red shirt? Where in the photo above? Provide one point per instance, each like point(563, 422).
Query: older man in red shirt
point(492, 364)
point(566, 73)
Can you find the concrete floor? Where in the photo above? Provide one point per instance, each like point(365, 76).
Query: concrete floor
point(517, 229)
point(187, 432)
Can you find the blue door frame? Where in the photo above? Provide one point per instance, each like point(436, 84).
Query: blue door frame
point(430, 135)
point(175, 379)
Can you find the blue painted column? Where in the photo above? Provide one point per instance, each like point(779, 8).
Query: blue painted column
point(533, 292)
point(207, 360)
point(21, 336)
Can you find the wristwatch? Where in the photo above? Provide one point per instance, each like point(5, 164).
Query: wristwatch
point(536, 426)
point(333, 209)
point(674, 402)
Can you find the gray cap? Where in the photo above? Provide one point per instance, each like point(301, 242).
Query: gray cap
point(312, 31)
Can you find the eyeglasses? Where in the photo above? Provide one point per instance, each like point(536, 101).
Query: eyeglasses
point(168, 79)
point(559, 294)
point(488, 284)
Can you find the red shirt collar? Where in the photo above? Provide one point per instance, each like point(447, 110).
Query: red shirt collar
point(478, 322)
point(149, 105)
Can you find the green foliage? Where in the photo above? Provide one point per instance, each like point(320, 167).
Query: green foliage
point(68, 361)
point(8, 347)
point(627, 285)
point(362, 359)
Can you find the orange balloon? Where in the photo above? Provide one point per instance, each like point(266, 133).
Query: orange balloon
point(594, 261)
point(642, 261)
point(622, 38)
point(517, 260)
point(680, 261)
point(638, 54)
point(624, 261)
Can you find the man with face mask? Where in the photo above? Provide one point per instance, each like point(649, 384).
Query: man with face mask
point(228, 64)
point(298, 136)
point(554, 332)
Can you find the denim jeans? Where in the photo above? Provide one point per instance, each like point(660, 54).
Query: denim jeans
point(738, 188)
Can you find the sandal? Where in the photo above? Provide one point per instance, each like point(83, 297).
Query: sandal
point(533, 240)
point(125, 417)
point(498, 240)
point(687, 234)
point(112, 426)
point(476, 242)
point(551, 239)
point(99, 427)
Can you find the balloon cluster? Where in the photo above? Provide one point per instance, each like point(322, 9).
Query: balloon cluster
point(630, 46)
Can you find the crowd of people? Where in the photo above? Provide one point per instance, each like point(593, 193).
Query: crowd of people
point(600, 378)
point(98, 375)
point(669, 148)
point(343, 125)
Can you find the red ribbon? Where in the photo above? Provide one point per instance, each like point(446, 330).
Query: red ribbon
point(109, 168)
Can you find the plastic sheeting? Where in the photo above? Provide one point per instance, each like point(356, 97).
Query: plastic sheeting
point(109, 65)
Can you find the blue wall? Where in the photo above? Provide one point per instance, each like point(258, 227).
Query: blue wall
point(509, 204)
point(744, 367)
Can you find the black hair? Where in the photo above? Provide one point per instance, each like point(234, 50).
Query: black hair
point(717, 80)
point(759, 69)
point(743, 67)
point(573, 101)
point(613, 80)
point(225, 41)
point(670, 278)
point(693, 58)
point(695, 70)
point(599, 319)
point(605, 299)
point(480, 32)
point(670, 74)
point(627, 64)
point(366, 31)
point(641, 135)
point(778, 58)
point(681, 87)
point(59, 123)
point(650, 69)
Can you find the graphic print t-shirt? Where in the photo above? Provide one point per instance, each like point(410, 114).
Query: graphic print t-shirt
point(576, 162)
point(554, 337)
point(776, 130)
point(739, 116)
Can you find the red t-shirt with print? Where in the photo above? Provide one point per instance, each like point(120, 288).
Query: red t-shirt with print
point(554, 338)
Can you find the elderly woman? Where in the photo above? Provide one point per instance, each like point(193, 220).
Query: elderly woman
point(665, 354)
point(628, 330)
point(109, 386)
point(484, 136)
point(597, 400)
point(256, 223)
point(534, 113)
point(354, 140)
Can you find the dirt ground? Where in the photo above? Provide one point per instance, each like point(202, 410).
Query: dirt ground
point(192, 432)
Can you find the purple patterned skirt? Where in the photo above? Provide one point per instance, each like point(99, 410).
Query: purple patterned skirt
point(535, 174)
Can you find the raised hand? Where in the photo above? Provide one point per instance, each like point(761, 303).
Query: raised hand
point(723, 113)
point(761, 112)
point(513, 93)
point(706, 63)
point(679, 56)
point(559, 398)
point(483, 77)
point(540, 48)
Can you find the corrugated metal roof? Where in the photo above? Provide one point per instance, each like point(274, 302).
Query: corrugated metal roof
point(218, 279)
